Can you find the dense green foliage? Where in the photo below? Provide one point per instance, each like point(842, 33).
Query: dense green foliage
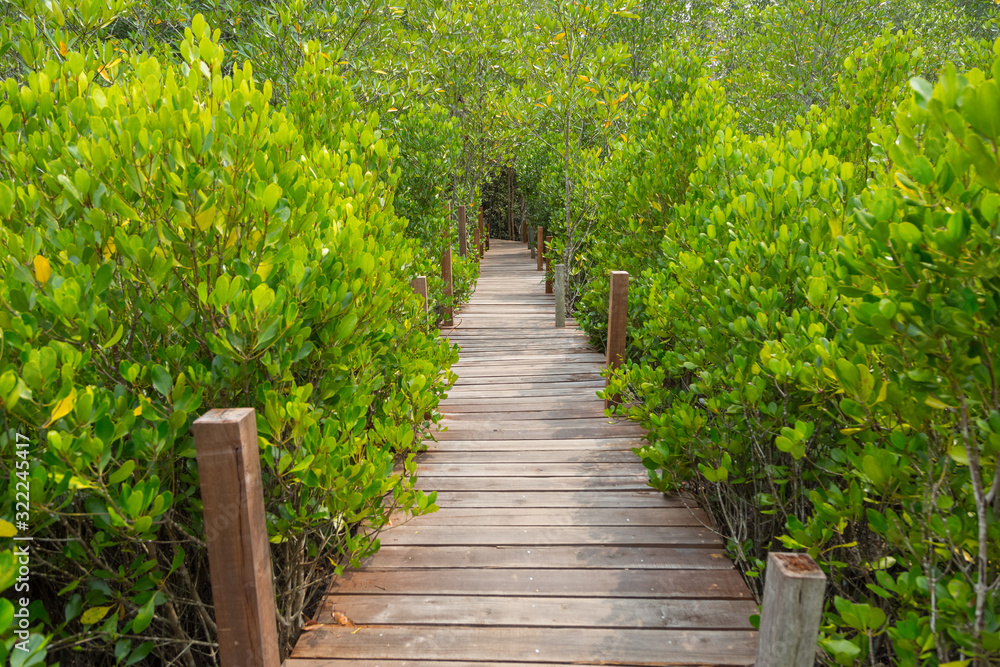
point(813, 349)
point(174, 243)
point(227, 210)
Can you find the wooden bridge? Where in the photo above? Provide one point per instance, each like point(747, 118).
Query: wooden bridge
point(549, 548)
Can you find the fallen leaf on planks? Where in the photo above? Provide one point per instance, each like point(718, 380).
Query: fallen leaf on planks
point(341, 619)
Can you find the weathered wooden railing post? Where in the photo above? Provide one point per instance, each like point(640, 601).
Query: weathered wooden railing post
point(419, 285)
point(548, 264)
point(792, 611)
point(540, 248)
point(447, 311)
point(617, 322)
point(478, 235)
point(463, 241)
point(560, 273)
point(239, 553)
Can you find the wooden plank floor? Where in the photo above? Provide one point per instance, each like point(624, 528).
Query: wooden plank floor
point(549, 547)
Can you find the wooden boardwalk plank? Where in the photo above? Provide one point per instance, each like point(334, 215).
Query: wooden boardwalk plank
point(609, 536)
point(585, 516)
point(549, 547)
point(529, 611)
point(565, 500)
point(658, 584)
point(529, 645)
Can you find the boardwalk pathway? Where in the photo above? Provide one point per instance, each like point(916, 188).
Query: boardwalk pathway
point(548, 548)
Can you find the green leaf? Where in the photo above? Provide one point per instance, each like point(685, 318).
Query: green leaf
point(271, 195)
point(985, 162)
point(909, 233)
point(346, 326)
point(122, 473)
point(145, 616)
point(6, 614)
point(984, 115)
point(848, 374)
point(102, 278)
point(6, 200)
point(161, 380)
point(140, 652)
point(841, 647)
point(816, 291)
point(924, 90)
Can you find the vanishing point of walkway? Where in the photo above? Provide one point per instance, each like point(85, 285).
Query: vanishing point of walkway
point(548, 548)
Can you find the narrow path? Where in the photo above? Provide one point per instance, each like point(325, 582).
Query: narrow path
point(548, 548)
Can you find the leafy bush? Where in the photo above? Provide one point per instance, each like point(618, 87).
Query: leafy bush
point(174, 244)
point(814, 352)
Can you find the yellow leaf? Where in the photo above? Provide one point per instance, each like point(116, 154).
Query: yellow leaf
point(585, 79)
point(62, 48)
point(7, 529)
point(93, 615)
point(104, 68)
point(42, 269)
point(205, 219)
point(63, 407)
point(559, 36)
point(110, 249)
point(935, 402)
point(137, 411)
point(882, 393)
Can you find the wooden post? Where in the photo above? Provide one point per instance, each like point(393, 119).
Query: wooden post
point(419, 285)
point(540, 247)
point(476, 235)
point(548, 272)
point(463, 241)
point(792, 611)
point(560, 270)
point(239, 554)
point(448, 315)
point(524, 219)
point(617, 322)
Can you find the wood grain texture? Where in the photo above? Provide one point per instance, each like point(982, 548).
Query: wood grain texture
point(525, 644)
point(531, 611)
point(549, 547)
point(463, 240)
point(447, 314)
point(537, 582)
point(539, 516)
point(540, 247)
point(239, 553)
point(617, 325)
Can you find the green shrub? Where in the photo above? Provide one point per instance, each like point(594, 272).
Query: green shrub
point(173, 244)
point(813, 352)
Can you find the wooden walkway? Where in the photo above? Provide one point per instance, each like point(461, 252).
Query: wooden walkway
point(549, 548)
